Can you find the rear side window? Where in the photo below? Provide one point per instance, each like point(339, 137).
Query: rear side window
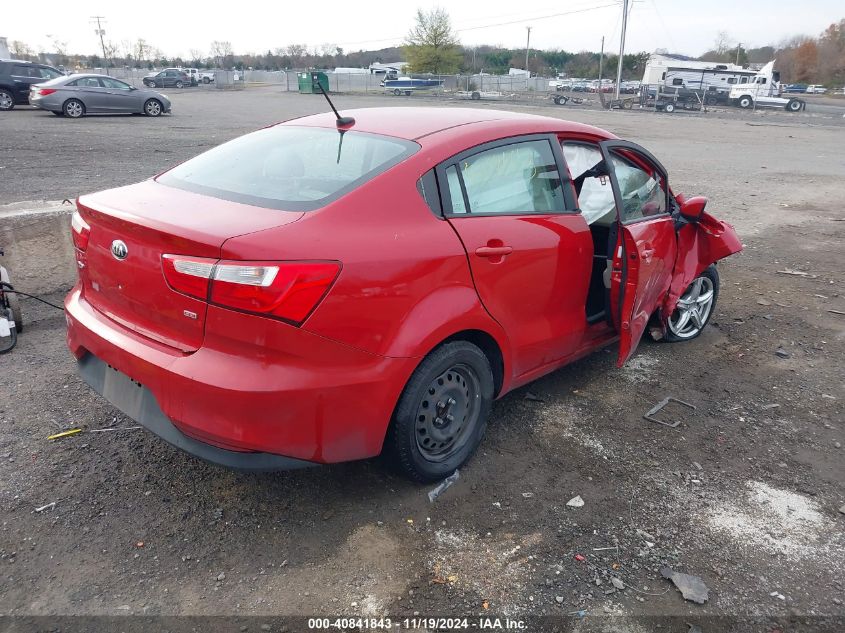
point(48, 73)
point(289, 167)
point(516, 178)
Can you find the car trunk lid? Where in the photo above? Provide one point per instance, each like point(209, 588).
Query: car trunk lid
point(132, 227)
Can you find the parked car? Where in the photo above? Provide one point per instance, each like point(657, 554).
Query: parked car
point(325, 290)
point(17, 76)
point(207, 76)
point(794, 88)
point(193, 74)
point(816, 89)
point(166, 79)
point(78, 95)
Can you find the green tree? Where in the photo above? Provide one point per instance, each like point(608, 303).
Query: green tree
point(431, 46)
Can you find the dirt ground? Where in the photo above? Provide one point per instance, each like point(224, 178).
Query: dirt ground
point(747, 493)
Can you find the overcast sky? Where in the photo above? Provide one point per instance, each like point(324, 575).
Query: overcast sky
point(683, 26)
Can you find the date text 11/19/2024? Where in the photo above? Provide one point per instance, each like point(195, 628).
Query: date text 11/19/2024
point(431, 623)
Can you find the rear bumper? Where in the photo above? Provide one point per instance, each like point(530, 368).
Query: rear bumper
point(138, 403)
point(256, 387)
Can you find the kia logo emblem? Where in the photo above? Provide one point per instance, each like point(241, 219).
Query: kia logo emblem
point(119, 250)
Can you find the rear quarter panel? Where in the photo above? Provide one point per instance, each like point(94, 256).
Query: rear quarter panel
point(405, 283)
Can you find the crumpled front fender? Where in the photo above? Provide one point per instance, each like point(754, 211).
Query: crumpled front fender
point(699, 244)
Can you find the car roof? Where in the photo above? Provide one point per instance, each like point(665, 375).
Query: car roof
point(412, 123)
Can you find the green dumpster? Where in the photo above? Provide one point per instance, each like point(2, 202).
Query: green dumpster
point(306, 86)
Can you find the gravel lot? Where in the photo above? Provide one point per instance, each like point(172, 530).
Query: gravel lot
point(746, 493)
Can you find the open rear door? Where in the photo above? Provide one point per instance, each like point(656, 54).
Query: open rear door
point(646, 244)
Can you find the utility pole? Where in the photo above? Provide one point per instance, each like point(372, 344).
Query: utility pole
point(601, 61)
point(738, 47)
point(527, 46)
point(100, 31)
point(621, 47)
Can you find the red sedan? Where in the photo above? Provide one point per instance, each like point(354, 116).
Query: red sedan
point(321, 291)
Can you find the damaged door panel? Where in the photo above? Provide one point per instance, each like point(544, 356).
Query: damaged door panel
point(702, 240)
point(646, 247)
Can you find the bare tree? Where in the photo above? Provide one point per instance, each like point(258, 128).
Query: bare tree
point(220, 50)
point(21, 50)
point(723, 42)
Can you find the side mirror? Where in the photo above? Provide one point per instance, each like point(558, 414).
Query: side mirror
point(692, 208)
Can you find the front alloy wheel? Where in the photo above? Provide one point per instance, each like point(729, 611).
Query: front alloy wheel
point(695, 307)
point(152, 107)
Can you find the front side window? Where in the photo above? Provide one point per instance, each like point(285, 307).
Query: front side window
point(517, 178)
point(289, 167)
point(642, 195)
point(595, 196)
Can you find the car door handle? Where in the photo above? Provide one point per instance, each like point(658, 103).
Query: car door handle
point(493, 251)
point(647, 253)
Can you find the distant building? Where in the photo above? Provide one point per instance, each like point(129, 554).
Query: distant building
point(519, 72)
point(4, 49)
point(392, 68)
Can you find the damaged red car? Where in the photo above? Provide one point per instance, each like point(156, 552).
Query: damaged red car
point(326, 290)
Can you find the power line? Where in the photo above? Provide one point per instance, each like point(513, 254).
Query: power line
point(490, 26)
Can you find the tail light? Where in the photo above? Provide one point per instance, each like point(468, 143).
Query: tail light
point(286, 290)
point(43, 92)
point(80, 230)
point(188, 275)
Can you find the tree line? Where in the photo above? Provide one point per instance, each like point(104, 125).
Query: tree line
point(432, 47)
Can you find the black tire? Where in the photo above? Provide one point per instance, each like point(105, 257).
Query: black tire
point(397, 92)
point(73, 109)
point(153, 107)
point(669, 107)
point(745, 101)
point(179, 84)
point(7, 100)
point(556, 100)
point(206, 80)
point(794, 105)
point(460, 373)
point(15, 305)
point(150, 84)
point(712, 274)
point(476, 95)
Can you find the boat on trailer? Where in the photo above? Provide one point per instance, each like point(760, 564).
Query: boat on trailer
point(407, 85)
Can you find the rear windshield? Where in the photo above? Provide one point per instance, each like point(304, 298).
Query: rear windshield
point(288, 167)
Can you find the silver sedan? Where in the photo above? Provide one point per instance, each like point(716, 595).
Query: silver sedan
point(78, 95)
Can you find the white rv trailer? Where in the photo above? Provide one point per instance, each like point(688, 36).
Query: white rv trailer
point(716, 82)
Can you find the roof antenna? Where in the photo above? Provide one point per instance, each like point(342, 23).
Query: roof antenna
point(342, 121)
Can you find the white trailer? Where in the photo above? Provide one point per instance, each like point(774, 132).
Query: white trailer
point(764, 92)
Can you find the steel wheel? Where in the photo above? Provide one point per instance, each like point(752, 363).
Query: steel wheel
point(7, 102)
point(448, 413)
point(179, 84)
point(74, 108)
point(152, 107)
point(694, 309)
point(442, 413)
